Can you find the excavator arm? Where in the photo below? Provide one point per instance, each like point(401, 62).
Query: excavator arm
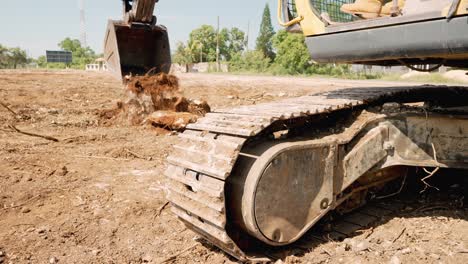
point(139, 11)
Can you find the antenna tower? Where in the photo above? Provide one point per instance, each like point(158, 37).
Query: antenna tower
point(84, 44)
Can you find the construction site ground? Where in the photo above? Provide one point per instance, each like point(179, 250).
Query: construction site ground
point(97, 195)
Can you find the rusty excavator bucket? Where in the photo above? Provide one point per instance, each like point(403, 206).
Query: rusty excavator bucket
point(134, 46)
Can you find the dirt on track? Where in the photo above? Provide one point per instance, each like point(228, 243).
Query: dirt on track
point(97, 195)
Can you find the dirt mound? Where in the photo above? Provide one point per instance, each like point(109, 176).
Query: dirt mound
point(157, 100)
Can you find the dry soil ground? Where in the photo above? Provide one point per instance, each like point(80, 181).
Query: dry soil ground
point(97, 195)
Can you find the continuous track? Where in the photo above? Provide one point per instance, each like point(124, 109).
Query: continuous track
point(208, 151)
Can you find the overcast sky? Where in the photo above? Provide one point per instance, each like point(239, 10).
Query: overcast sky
point(39, 25)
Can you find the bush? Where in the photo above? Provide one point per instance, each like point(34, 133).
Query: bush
point(250, 61)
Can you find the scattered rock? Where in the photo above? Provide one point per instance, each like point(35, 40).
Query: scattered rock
point(361, 246)
point(25, 210)
point(394, 260)
point(53, 260)
point(405, 251)
point(282, 94)
point(408, 208)
point(53, 111)
point(147, 259)
point(391, 107)
point(63, 171)
point(356, 246)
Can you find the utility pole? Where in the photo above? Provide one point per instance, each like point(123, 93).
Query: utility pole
point(217, 47)
point(247, 37)
point(201, 52)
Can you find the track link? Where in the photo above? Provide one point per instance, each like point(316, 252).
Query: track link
point(202, 161)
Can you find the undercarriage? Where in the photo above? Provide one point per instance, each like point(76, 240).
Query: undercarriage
point(263, 175)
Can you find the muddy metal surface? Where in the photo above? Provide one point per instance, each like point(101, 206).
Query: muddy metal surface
point(97, 195)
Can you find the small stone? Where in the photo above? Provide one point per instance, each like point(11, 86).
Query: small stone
point(53, 260)
point(279, 261)
point(361, 246)
point(408, 208)
point(405, 251)
point(394, 260)
point(63, 171)
point(356, 246)
point(347, 247)
point(391, 106)
point(147, 259)
point(282, 94)
point(25, 210)
point(150, 158)
point(96, 252)
point(2, 253)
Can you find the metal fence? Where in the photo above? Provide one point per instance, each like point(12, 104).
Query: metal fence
point(332, 7)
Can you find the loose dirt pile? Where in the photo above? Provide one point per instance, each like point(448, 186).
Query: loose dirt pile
point(158, 101)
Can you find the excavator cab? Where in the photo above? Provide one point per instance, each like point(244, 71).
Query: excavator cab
point(398, 32)
point(136, 45)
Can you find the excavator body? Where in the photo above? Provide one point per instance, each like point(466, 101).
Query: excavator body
point(418, 33)
point(253, 178)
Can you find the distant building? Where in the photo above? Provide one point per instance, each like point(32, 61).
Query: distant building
point(100, 65)
point(59, 56)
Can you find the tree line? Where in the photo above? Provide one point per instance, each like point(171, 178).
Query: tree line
point(275, 52)
point(12, 58)
point(80, 55)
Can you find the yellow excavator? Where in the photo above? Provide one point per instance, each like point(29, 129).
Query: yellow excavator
point(252, 178)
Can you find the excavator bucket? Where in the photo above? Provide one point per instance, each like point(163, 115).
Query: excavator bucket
point(136, 49)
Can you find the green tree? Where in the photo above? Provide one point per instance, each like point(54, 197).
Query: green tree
point(41, 61)
point(250, 61)
point(16, 56)
point(291, 52)
point(3, 57)
point(183, 54)
point(81, 55)
point(232, 42)
point(202, 43)
point(264, 40)
point(201, 46)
